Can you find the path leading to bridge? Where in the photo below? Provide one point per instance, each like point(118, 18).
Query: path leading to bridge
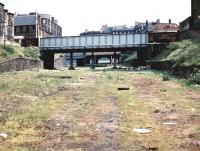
point(105, 119)
point(86, 111)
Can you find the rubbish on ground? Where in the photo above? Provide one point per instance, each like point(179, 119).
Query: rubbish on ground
point(123, 88)
point(141, 131)
point(169, 123)
point(65, 77)
point(196, 144)
point(152, 148)
point(157, 111)
point(4, 135)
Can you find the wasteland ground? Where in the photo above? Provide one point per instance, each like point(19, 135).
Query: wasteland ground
point(83, 110)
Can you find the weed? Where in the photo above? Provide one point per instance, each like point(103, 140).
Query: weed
point(166, 78)
point(163, 90)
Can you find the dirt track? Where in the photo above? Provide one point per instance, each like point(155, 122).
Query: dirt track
point(92, 115)
point(96, 125)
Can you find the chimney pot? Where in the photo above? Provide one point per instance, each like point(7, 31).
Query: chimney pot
point(170, 21)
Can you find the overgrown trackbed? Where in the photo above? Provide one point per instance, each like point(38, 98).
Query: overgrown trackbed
point(88, 113)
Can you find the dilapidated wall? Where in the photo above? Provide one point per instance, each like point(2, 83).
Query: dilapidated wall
point(20, 64)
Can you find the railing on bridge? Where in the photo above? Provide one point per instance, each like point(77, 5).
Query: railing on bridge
point(94, 41)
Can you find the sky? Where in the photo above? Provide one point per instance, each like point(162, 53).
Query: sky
point(75, 16)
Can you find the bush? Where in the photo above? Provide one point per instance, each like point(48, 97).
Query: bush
point(32, 52)
point(166, 78)
point(8, 49)
point(173, 46)
point(194, 78)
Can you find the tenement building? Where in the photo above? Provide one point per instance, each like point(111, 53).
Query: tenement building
point(190, 27)
point(33, 26)
point(6, 25)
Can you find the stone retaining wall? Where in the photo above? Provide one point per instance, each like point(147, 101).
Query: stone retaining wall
point(20, 64)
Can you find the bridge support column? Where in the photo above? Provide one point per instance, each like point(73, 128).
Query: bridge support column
point(115, 60)
point(93, 61)
point(48, 60)
point(142, 55)
point(71, 62)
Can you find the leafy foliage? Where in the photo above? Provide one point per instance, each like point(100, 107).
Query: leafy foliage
point(9, 52)
point(184, 53)
point(195, 78)
point(32, 52)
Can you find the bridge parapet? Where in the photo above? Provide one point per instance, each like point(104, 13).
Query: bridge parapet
point(94, 41)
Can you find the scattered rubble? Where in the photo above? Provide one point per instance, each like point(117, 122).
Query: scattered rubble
point(169, 123)
point(141, 131)
point(152, 148)
point(196, 144)
point(123, 88)
point(65, 77)
point(4, 135)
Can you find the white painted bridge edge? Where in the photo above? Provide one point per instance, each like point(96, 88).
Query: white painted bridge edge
point(94, 41)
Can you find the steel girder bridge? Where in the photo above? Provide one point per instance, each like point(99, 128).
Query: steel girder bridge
point(91, 43)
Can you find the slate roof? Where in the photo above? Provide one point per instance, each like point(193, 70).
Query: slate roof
point(165, 27)
point(2, 4)
point(25, 20)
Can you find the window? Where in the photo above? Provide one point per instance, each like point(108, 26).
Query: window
point(21, 29)
point(30, 29)
point(24, 29)
point(27, 29)
point(18, 29)
point(44, 21)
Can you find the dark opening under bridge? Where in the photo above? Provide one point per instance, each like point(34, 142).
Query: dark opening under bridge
point(92, 43)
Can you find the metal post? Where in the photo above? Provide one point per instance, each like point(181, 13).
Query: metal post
point(115, 61)
point(93, 61)
point(71, 61)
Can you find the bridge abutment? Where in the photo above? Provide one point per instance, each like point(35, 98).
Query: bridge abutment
point(71, 62)
point(48, 60)
point(142, 55)
point(93, 61)
point(115, 60)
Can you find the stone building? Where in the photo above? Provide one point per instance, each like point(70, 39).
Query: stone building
point(163, 32)
point(195, 11)
point(6, 25)
point(190, 27)
point(33, 26)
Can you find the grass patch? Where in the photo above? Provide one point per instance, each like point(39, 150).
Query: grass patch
point(83, 107)
point(184, 53)
point(28, 99)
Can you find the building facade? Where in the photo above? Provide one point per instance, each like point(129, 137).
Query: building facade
point(190, 27)
point(33, 26)
point(6, 25)
point(122, 29)
point(163, 32)
point(157, 31)
point(195, 11)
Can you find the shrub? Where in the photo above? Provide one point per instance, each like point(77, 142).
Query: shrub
point(32, 52)
point(8, 49)
point(173, 46)
point(166, 78)
point(194, 78)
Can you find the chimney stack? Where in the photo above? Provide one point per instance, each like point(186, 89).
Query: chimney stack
point(170, 21)
point(147, 22)
point(147, 25)
point(158, 20)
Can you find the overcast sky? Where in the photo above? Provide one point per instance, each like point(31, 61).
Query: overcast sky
point(77, 15)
